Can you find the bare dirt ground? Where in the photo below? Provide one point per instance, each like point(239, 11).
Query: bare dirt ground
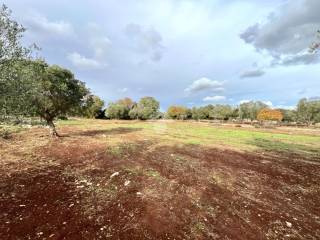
point(80, 187)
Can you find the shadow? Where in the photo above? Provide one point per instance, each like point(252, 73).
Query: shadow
point(289, 149)
point(113, 131)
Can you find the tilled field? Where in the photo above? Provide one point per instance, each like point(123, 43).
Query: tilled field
point(137, 186)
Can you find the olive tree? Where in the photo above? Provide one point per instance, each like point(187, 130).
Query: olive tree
point(146, 108)
point(120, 109)
point(92, 107)
point(250, 110)
point(16, 69)
point(58, 92)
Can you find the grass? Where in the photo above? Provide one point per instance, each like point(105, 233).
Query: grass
point(242, 139)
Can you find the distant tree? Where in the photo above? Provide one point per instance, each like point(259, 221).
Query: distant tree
point(249, 110)
point(221, 112)
point(128, 102)
point(268, 114)
point(146, 108)
point(120, 109)
point(58, 92)
point(315, 46)
point(308, 111)
point(289, 115)
point(116, 111)
point(177, 112)
point(235, 113)
point(92, 107)
point(201, 112)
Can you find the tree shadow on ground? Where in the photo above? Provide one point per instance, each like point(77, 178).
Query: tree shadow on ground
point(113, 131)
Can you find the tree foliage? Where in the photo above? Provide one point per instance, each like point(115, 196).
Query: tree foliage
point(250, 110)
point(268, 114)
point(146, 108)
point(120, 109)
point(221, 112)
point(58, 92)
point(16, 67)
point(92, 107)
point(308, 111)
point(289, 115)
point(178, 112)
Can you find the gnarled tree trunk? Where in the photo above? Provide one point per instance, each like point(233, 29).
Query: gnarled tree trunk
point(53, 130)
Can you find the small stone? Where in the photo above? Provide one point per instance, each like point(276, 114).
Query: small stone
point(71, 205)
point(127, 183)
point(289, 224)
point(139, 193)
point(51, 235)
point(114, 174)
point(22, 205)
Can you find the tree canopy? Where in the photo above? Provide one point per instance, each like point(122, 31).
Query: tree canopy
point(58, 93)
point(267, 114)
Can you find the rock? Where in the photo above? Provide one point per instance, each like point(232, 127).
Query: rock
point(114, 174)
point(139, 193)
point(289, 224)
point(126, 183)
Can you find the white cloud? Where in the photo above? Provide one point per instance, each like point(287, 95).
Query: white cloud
point(269, 103)
point(84, 63)
point(214, 98)
point(39, 24)
point(285, 107)
point(244, 101)
point(203, 84)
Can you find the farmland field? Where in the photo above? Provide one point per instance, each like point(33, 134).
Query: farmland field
point(160, 180)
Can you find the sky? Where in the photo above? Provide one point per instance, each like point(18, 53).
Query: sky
point(182, 52)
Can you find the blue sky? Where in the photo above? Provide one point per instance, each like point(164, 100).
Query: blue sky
point(188, 52)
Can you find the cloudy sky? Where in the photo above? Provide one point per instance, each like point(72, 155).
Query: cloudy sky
point(189, 52)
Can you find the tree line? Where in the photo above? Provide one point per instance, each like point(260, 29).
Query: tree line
point(307, 111)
